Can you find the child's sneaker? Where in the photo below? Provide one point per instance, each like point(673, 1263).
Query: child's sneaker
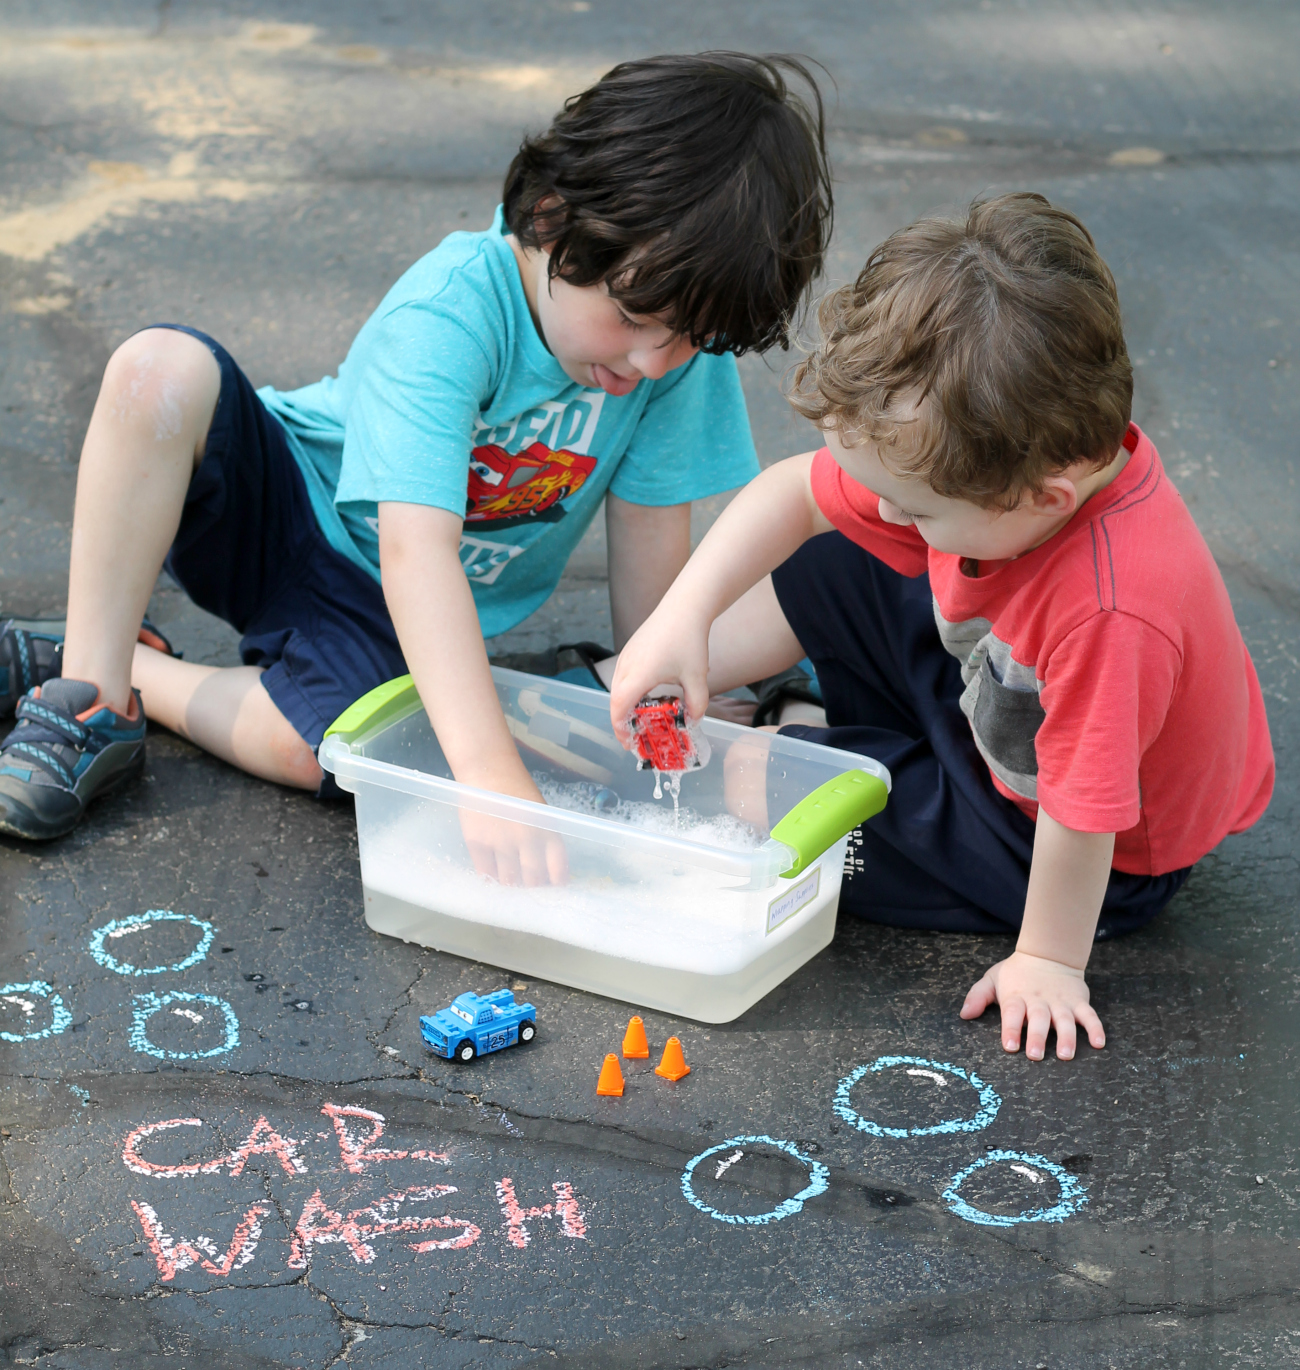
point(62, 753)
point(31, 652)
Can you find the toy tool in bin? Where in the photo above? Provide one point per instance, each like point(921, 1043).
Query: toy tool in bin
point(663, 739)
point(699, 916)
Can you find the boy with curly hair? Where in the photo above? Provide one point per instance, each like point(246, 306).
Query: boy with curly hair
point(1005, 600)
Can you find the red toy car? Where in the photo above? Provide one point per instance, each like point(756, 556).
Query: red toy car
point(663, 738)
point(504, 485)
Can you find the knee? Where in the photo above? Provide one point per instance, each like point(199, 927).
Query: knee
point(296, 761)
point(163, 380)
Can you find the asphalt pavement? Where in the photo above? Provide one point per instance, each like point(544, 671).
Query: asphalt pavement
point(221, 1141)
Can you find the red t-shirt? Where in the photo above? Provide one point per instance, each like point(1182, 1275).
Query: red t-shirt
point(1106, 677)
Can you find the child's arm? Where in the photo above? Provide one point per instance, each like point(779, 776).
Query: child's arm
point(648, 545)
point(432, 608)
point(764, 525)
point(1042, 982)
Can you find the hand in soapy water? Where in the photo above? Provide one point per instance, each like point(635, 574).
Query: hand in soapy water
point(509, 852)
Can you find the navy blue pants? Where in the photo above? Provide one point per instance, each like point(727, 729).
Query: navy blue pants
point(249, 550)
point(948, 853)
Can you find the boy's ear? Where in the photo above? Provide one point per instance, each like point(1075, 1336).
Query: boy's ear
point(1058, 498)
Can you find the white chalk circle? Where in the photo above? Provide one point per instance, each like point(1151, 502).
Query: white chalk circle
point(144, 1006)
point(17, 995)
point(818, 1182)
point(1072, 1197)
point(123, 927)
point(989, 1102)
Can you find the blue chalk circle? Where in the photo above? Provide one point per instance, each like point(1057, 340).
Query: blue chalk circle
point(17, 995)
point(818, 1182)
point(144, 1006)
point(1073, 1196)
point(918, 1065)
point(122, 927)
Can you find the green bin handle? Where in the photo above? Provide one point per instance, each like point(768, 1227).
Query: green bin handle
point(380, 704)
point(820, 819)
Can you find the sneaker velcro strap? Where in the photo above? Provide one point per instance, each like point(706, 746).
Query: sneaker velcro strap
point(43, 756)
point(56, 720)
point(21, 655)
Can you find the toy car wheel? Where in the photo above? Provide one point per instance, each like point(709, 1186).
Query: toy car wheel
point(527, 1031)
point(465, 1052)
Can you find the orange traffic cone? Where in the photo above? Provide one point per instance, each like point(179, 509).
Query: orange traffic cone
point(635, 1046)
point(611, 1078)
point(673, 1066)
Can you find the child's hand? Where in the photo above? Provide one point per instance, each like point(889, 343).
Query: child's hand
point(1043, 993)
point(512, 853)
point(664, 651)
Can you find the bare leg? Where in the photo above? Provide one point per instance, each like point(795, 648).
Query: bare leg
point(145, 440)
point(227, 713)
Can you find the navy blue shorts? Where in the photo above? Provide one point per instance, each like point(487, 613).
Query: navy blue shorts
point(249, 550)
point(948, 853)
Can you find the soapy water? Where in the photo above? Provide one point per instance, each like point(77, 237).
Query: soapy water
point(632, 903)
point(673, 780)
point(721, 830)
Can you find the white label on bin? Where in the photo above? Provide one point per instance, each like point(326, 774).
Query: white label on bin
point(788, 904)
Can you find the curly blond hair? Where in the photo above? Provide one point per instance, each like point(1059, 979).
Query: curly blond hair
point(1003, 329)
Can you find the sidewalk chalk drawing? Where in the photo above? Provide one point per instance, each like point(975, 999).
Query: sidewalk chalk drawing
point(172, 1255)
point(358, 1132)
point(323, 1221)
point(819, 1178)
point(565, 1207)
point(21, 997)
point(1072, 1196)
point(359, 1151)
point(263, 1140)
point(144, 1006)
point(124, 927)
point(321, 1224)
point(940, 1072)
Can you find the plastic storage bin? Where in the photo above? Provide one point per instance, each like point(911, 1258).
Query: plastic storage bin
point(700, 920)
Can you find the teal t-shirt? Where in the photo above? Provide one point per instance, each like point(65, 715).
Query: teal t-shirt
point(448, 397)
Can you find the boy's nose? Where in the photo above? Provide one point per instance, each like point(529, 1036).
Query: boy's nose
point(656, 362)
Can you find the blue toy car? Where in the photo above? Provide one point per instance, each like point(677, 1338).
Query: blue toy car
point(474, 1024)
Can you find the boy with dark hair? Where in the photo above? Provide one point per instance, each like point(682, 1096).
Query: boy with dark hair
point(1006, 602)
point(582, 348)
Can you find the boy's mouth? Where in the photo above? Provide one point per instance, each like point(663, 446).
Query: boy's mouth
point(611, 382)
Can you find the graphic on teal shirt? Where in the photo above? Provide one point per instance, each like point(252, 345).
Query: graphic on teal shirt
point(531, 482)
point(448, 397)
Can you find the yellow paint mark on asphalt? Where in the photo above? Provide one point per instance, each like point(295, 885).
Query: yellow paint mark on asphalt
point(518, 78)
point(941, 137)
point(110, 189)
point(118, 173)
point(278, 37)
point(1136, 156)
point(41, 304)
point(360, 52)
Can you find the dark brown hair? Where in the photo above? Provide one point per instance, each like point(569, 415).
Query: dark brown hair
point(1004, 327)
point(696, 187)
